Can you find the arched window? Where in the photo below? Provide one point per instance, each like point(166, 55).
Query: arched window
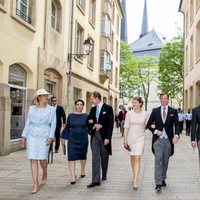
point(17, 75)
point(17, 82)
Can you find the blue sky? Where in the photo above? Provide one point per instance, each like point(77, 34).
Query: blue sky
point(163, 17)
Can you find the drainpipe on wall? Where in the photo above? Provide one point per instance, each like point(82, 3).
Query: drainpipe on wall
point(69, 86)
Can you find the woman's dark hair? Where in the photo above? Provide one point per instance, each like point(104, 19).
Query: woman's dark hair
point(139, 99)
point(79, 100)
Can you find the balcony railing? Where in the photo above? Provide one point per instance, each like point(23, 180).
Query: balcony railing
point(23, 16)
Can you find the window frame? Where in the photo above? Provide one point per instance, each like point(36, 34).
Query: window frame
point(81, 6)
point(32, 11)
point(105, 25)
point(3, 6)
point(55, 18)
point(79, 42)
point(19, 12)
point(92, 13)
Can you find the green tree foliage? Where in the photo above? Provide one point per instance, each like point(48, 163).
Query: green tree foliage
point(171, 68)
point(148, 73)
point(128, 70)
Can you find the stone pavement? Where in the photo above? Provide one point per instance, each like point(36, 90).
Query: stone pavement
point(183, 177)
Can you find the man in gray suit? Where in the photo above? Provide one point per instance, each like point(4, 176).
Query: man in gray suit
point(195, 132)
point(161, 123)
point(100, 124)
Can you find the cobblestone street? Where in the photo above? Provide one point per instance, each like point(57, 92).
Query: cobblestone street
point(183, 176)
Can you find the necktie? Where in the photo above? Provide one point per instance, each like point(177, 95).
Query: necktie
point(97, 112)
point(164, 113)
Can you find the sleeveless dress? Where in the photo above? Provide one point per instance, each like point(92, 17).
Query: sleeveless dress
point(136, 123)
point(78, 136)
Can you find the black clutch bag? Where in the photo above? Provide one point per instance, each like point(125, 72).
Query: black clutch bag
point(128, 148)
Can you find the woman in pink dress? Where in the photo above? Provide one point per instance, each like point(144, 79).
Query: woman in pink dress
point(134, 135)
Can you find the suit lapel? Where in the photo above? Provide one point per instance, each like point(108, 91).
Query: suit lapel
point(101, 112)
point(168, 114)
point(159, 114)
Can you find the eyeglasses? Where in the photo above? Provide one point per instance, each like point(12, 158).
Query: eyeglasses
point(54, 100)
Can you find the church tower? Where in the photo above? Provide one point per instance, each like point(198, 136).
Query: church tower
point(145, 25)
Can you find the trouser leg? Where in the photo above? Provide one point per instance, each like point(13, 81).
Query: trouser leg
point(57, 137)
point(189, 126)
point(158, 152)
point(166, 155)
point(122, 127)
point(95, 145)
point(198, 144)
point(104, 159)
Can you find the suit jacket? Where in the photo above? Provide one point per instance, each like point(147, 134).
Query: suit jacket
point(106, 119)
point(195, 131)
point(60, 116)
point(155, 122)
point(120, 116)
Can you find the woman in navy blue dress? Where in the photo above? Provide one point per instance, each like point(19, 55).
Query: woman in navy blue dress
point(77, 140)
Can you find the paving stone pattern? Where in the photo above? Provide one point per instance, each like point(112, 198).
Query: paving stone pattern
point(183, 182)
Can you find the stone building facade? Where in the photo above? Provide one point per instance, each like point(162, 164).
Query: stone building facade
point(35, 40)
point(191, 11)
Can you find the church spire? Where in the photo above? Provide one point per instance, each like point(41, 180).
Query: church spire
point(145, 26)
point(124, 23)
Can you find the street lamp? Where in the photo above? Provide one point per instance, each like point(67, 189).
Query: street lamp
point(88, 44)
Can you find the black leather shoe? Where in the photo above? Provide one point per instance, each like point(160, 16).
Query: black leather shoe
point(73, 182)
point(82, 176)
point(164, 184)
point(93, 185)
point(104, 178)
point(158, 188)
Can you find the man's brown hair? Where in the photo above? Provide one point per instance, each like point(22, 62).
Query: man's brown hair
point(162, 94)
point(96, 94)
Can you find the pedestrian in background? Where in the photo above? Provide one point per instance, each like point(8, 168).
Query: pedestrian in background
point(60, 119)
point(38, 134)
point(77, 139)
point(117, 120)
point(181, 118)
point(121, 117)
point(134, 135)
point(100, 123)
point(188, 120)
point(162, 123)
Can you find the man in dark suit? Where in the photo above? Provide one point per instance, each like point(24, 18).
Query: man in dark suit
point(161, 123)
point(195, 132)
point(60, 119)
point(100, 124)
